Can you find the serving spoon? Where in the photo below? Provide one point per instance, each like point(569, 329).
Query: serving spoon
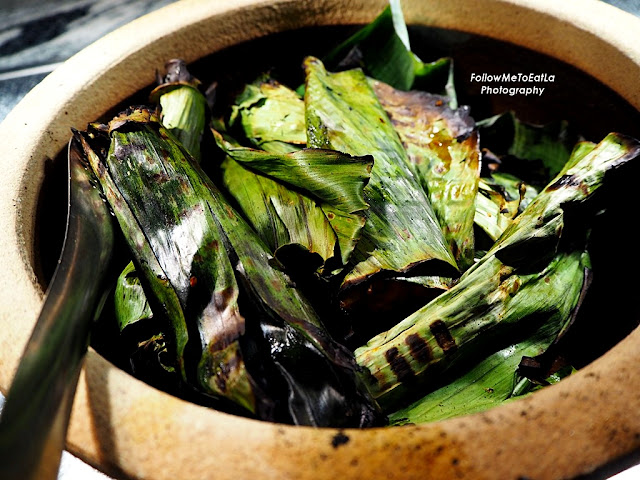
point(35, 417)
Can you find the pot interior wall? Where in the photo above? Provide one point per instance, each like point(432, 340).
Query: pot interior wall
point(593, 109)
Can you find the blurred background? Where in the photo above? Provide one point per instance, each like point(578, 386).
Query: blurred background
point(37, 35)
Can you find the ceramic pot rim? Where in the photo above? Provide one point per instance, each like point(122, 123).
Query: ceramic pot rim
point(126, 427)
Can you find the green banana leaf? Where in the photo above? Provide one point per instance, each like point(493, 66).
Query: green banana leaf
point(328, 176)
point(499, 291)
point(443, 146)
point(494, 380)
point(382, 49)
point(292, 225)
point(271, 116)
point(198, 257)
point(401, 236)
point(182, 105)
point(533, 153)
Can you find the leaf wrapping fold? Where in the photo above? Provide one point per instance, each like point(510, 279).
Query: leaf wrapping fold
point(131, 303)
point(182, 105)
point(271, 116)
point(311, 197)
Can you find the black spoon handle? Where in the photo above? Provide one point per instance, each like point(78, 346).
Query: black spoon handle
point(36, 414)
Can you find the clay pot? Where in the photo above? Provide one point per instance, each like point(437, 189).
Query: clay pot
point(125, 427)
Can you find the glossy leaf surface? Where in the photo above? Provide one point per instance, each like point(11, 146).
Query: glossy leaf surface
point(401, 230)
point(442, 144)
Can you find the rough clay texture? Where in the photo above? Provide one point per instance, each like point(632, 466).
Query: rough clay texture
point(125, 427)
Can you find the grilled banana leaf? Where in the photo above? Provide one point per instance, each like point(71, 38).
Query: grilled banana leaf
point(182, 111)
point(516, 192)
point(199, 257)
point(503, 196)
point(35, 415)
point(329, 176)
point(495, 379)
point(526, 386)
point(442, 144)
point(501, 290)
point(292, 225)
point(401, 236)
point(494, 210)
point(178, 250)
point(291, 222)
point(130, 301)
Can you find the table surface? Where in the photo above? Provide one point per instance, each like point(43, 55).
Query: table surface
point(37, 36)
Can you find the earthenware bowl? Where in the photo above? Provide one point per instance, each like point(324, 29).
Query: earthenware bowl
point(127, 428)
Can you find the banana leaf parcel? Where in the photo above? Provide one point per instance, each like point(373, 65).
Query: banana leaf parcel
point(241, 331)
point(401, 236)
point(508, 286)
point(443, 146)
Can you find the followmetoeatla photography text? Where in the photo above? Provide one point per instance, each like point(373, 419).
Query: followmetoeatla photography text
point(512, 83)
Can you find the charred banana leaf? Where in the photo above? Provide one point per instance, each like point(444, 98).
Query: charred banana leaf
point(401, 233)
point(198, 257)
point(495, 379)
point(35, 415)
point(442, 144)
point(494, 210)
point(501, 197)
point(183, 112)
point(508, 286)
point(178, 250)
